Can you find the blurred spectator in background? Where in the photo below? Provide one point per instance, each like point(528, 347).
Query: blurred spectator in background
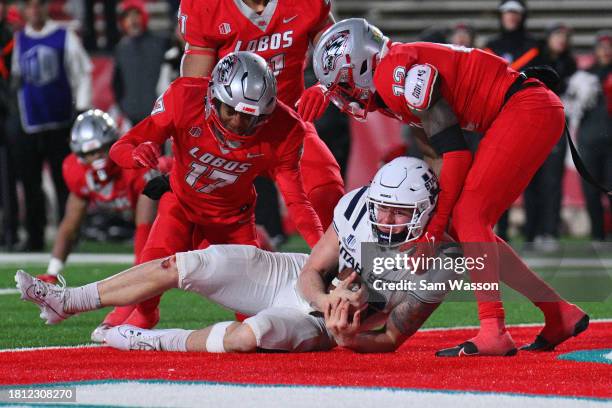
point(51, 70)
point(543, 195)
point(517, 47)
point(110, 35)
point(171, 67)
point(463, 34)
point(138, 59)
point(513, 43)
point(8, 187)
point(595, 135)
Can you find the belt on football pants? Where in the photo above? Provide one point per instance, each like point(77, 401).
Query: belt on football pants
point(518, 85)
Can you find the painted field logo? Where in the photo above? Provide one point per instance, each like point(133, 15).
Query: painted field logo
point(589, 356)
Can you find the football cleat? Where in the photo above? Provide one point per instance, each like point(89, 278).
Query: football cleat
point(468, 349)
point(97, 336)
point(49, 298)
point(126, 337)
point(541, 344)
point(482, 345)
point(45, 277)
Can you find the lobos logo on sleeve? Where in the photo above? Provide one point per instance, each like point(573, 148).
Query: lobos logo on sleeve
point(159, 105)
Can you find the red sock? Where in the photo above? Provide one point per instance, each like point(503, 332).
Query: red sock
point(490, 310)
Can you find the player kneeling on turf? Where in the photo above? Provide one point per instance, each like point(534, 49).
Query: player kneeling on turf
point(284, 293)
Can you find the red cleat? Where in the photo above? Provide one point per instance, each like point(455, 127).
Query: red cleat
point(492, 340)
point(568, 320)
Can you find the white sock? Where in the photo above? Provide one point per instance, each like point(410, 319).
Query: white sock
point(82, 299)
point(175, 340)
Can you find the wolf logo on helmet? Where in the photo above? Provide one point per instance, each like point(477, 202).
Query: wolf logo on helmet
point(336, 47)
point(227, 70)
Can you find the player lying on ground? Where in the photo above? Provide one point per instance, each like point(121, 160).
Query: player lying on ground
point(392, 211)
point(443, 89)
point(94, 179)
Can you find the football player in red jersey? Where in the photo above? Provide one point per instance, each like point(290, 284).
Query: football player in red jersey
point(92, 178)
point(444, 89)
point(225, 132)
point(281, 32)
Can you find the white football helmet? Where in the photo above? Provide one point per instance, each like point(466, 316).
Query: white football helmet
point(243, 81)
point(344, 61)
point(407, 185)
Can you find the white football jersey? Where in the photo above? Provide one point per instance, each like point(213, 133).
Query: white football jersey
point(352, 226)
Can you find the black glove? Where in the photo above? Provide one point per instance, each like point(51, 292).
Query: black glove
point(157, 186)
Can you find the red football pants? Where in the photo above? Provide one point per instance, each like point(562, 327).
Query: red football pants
point(511, 151)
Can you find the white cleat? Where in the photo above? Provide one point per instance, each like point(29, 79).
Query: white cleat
point(97, 336)
point(127, 337)
point(48, 297)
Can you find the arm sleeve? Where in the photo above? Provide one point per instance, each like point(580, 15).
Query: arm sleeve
point(289, 180)
point(455, 167)
point(79, 69)
point(156, 128)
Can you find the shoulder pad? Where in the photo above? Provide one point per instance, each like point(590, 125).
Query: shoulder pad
point(419, 86)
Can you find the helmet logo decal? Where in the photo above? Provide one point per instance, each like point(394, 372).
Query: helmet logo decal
point(226, 69)
point(333, 49)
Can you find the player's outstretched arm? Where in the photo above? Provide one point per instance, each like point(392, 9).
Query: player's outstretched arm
point(76, 208)
point(405, 319)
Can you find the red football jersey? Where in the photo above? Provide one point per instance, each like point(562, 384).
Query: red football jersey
point(119, 193)
point(281, 34)
point(473, 82)
point(215, 185)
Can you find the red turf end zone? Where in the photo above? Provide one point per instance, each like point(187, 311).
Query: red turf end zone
point(414, 366)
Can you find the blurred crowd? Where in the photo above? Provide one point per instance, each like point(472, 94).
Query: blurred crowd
point(42, 92)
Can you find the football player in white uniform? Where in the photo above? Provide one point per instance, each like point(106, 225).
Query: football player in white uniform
point(285, 294)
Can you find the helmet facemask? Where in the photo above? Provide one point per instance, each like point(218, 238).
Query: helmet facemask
point(348, 97)
point(344, 61)
point(393, 235)
point(241, 84)
point(228, 138)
